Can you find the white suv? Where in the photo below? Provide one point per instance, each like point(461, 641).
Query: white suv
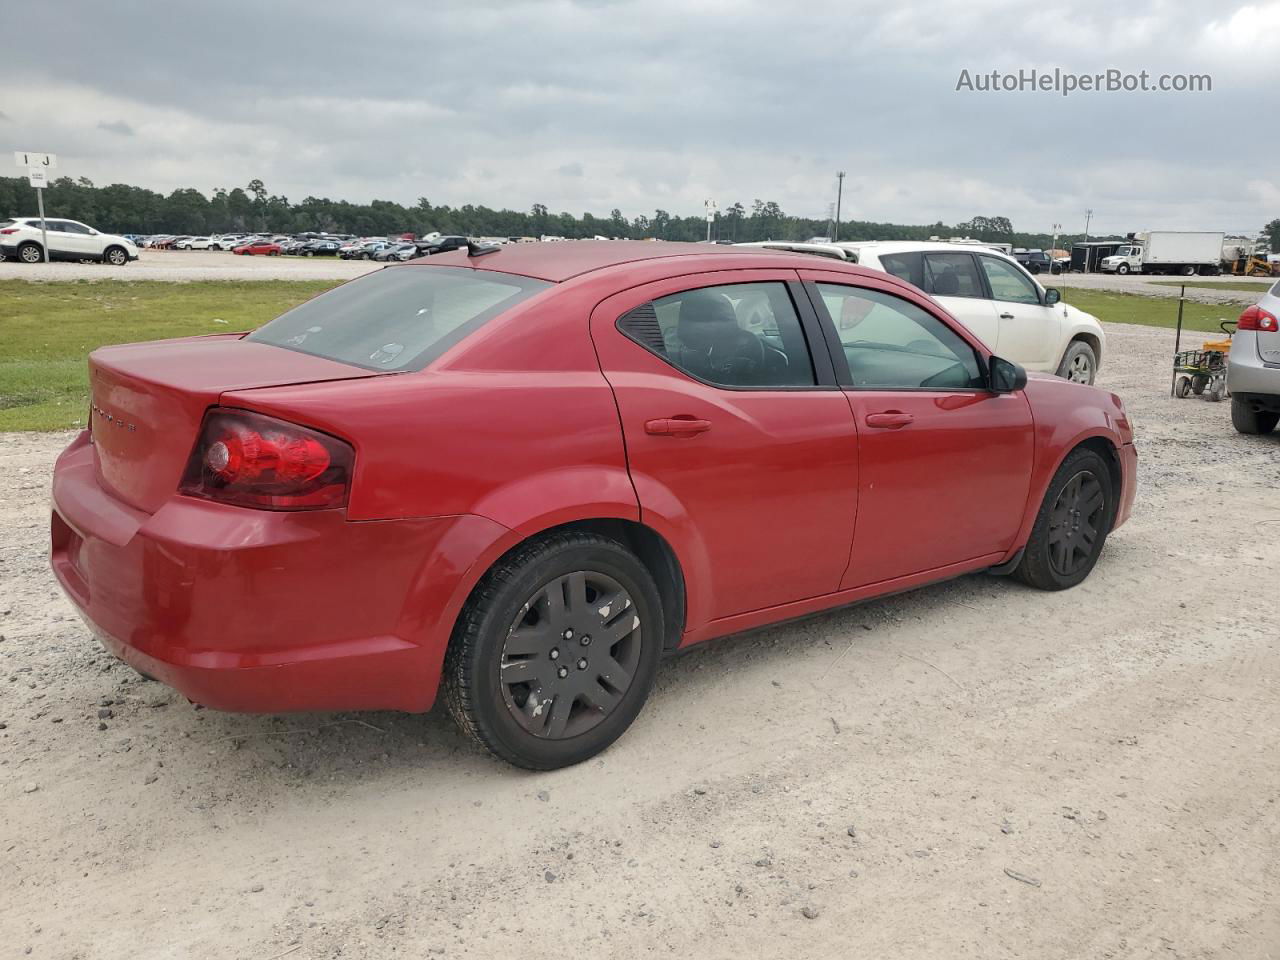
point(992, 295)
point(20, 239)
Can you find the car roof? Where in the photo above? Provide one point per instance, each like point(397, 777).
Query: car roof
point(913, 246)
point(557, 262)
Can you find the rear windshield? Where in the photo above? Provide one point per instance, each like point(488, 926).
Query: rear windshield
point(400, 318)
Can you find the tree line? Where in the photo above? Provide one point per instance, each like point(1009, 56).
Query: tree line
point(120, 208)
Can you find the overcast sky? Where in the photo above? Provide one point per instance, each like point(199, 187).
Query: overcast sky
point(597, 104)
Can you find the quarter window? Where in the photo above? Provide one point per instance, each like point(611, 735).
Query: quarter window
point(890, 343)
point(739, 335)
point(1008, 283)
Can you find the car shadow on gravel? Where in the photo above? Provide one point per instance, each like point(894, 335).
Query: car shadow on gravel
point(354, 748)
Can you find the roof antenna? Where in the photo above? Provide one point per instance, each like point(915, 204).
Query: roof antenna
point(480, 249)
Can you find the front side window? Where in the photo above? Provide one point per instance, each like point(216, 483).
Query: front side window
point(951, 275)
point(1008, 283)
point(738, 335)
point(399, 318)
point(890, 343)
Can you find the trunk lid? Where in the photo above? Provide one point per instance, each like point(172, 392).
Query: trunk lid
point(148, 400)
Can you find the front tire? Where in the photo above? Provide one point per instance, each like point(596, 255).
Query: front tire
point(1079, 364)
point(1122, 269)
point(115, 256)
point(1246, 419)
point(555, 652)
point(1072, 525)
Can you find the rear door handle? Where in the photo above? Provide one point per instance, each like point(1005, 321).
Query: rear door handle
point(1006, 316)
point(676, 427)
point(890, 420)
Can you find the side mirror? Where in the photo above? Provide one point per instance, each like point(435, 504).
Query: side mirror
point(1052, 296)
point(1006, 376)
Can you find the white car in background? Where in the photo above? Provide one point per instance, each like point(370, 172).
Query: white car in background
point(193, 243)
point(991, 294)
point(22, 239)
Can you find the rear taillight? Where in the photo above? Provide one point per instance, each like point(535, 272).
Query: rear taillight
point(253, 460)
point(1255, 318)
point(8, 230)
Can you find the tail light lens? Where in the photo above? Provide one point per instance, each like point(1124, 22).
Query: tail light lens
point(8, 230)
point(252, 460)
point(1255, 318)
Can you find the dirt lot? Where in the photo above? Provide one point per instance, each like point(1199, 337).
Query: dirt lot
point(970, 770)
point(194, 265)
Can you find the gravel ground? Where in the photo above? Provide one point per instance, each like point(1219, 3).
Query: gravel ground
point(194, 265)
point(974, 769)
point(1156, 286)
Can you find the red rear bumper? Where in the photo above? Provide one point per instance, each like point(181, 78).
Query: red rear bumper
point(257, 611)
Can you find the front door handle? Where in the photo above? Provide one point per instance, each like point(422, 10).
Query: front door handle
point(889, 420)
point(676, 427)
point(1006, 316)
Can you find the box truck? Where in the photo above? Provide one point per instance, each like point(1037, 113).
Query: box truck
point(1187, 252)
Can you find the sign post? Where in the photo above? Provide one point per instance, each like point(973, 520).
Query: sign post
point(711, 207)
point(37, 165)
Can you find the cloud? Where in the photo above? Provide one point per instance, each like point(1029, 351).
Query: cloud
point(117, 126)
point(640, 104)
point(4, 116)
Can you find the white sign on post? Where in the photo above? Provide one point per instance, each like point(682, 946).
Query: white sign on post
point(48, 161)
point(37, 177)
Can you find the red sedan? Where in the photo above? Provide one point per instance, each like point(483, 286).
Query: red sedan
point(263, 248)
point(522, 475)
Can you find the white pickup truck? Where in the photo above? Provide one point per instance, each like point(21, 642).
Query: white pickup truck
point(1185, 252)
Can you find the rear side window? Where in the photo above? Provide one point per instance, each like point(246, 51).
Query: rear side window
point(951, 275)
point(890, 343)
point(905, 266)
point(397, 319)
point(739, 335)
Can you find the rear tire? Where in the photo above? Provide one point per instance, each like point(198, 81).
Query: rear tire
point(557, 712)
point(30, 253)
point(1189, 271)
point(1248, 420)
point(1072, 525)
point(1183, 389)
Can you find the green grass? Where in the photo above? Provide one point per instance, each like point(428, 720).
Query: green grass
point(1256, 286)
point(48, 329)
point(1150, 311)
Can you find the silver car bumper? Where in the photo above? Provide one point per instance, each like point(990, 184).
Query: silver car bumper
point(1248, 373)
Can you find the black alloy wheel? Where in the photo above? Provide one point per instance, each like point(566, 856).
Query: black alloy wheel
point(556, 650)
point(1077, 518)
point(1072, 525)
point(571, 655)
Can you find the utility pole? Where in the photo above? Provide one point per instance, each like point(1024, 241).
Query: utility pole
point(1088, 215)
point(839, 196)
